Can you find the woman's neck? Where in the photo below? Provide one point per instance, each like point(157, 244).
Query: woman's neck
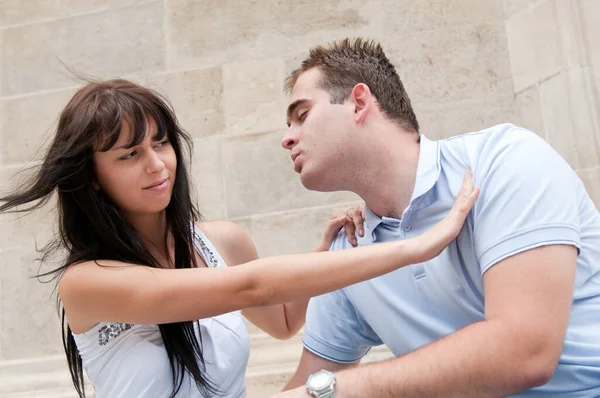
point(152, 228)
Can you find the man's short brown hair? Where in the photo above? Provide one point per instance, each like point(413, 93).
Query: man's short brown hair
point(348, 62)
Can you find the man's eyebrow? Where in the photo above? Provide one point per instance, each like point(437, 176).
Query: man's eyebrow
point(292, 107)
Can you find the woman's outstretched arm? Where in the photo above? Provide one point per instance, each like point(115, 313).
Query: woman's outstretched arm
point(138, 294)
point(235, 245)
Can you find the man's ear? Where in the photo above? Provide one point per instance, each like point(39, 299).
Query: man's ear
point(362, 99)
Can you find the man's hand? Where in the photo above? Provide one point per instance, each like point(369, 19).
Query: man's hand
point(514, 349)
point(299, 392)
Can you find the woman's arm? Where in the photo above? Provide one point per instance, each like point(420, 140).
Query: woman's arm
point(137, 294)
point(235, 245)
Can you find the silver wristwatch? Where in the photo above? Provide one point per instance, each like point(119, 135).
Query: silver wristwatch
point(321, 384)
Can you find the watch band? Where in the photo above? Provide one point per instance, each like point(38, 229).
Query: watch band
point(318, 389)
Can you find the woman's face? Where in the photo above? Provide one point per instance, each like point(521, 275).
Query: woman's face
point(138, 179)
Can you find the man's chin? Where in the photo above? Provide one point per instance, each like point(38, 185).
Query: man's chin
point(313, 181)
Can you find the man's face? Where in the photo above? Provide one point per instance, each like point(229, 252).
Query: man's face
point(318, 132)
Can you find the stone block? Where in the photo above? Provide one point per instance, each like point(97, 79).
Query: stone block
point(253, 97)
point(30, 323)
point(12, 176)
point(589, 11)
point(534, 44)
point(207, 176)
point(292, 62)
point(269, 384)
point(591, 179)
point(447, 120)
point(70, 7)
point(585, 115)
point(406, 17)
point(32, 230)
point(14, 12)
point(24, 230)
point(259, 178)
point(512, 7)
point(570, 117)
point(196, 96)
point(528, 104)
point(291, 232)
point(595, 77)
point(557, 118)
point(570, 33)
point(28, 125)
point(107, 44)
point(202, 34)
point(453, 64)
point(1, 328)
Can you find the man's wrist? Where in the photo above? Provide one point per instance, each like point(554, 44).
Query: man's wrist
point(321, 384)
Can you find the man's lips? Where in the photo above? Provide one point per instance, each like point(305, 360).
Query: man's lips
point(297, 163)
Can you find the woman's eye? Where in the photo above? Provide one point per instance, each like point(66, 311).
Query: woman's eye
point(130, 155)
point(302, 115)
point(162, 143)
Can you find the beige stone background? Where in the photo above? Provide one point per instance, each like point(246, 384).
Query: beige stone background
point(467, 64)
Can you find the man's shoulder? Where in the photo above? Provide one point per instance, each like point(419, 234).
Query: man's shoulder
point(485, 149)
point(492, 138)
point(341, 242)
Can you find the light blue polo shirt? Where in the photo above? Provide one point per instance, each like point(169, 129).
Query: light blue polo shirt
point(529, 197)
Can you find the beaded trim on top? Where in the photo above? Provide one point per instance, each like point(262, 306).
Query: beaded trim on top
point(111, 331)
point(212, 260)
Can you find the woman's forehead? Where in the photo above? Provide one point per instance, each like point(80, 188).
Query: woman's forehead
point(132, 133)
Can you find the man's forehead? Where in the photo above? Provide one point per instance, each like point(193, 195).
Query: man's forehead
point(306, 85)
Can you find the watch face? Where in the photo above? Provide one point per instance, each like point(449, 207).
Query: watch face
point(320, 380)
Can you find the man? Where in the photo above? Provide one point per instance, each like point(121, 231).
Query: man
point(510, 308)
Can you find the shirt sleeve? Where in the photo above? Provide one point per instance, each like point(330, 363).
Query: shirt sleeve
point(528, 197)
point(335, 331)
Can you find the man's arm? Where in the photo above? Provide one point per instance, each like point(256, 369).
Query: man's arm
point(528, 299)
point(310, 363)
point(526, 236)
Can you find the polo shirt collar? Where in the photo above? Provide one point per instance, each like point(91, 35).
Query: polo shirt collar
point(428, 172)
point(428, 168)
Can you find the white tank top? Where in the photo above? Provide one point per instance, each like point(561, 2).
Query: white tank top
point(130, 361)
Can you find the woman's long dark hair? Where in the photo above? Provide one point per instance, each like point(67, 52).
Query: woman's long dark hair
point(89, 225)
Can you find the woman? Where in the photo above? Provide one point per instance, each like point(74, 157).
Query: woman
point(150, 308)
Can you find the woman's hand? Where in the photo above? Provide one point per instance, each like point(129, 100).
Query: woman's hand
point(351, 220)
point(431, 243)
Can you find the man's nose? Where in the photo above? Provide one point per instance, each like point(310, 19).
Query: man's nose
point(290, 139)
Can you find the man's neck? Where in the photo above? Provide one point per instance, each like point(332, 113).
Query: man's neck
point(387, 183)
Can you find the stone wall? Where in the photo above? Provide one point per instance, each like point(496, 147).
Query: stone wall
point(555, 61)
point(467, 64)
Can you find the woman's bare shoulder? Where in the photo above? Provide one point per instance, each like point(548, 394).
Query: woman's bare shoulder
point(231, 240)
